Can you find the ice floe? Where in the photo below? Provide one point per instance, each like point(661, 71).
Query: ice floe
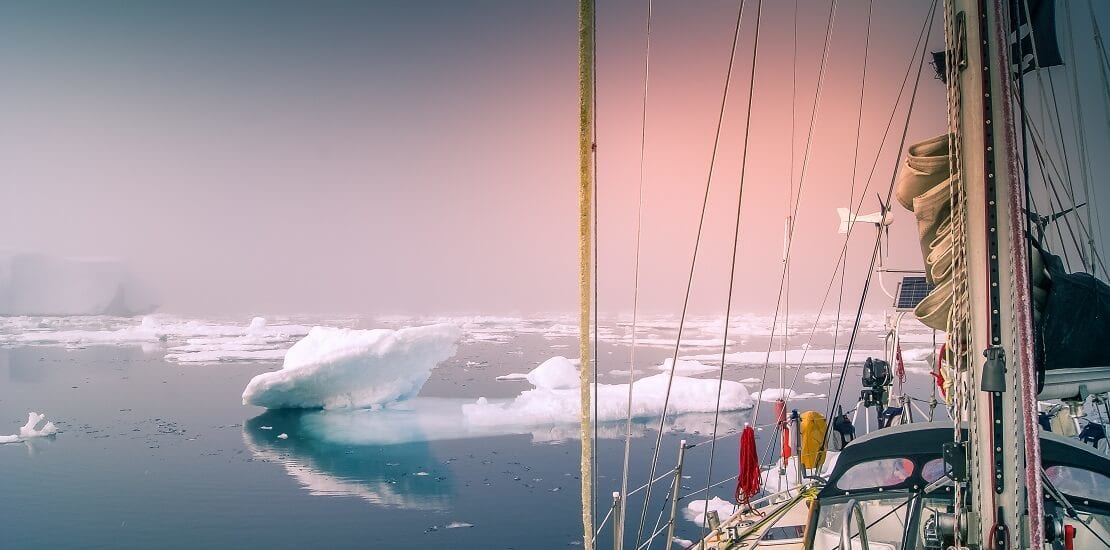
point(790, 357)
point(687, 367)
point(695, 509)
point(555, 398)
point(30, 429)
point(773, 482)
point(774, 394)
point(818, 377)
point(344, 368)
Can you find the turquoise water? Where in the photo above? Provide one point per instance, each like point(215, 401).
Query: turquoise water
point(157, 454)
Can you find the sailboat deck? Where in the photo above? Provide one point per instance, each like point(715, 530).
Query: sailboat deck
point(781, 527)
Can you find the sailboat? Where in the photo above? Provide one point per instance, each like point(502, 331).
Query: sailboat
point(1020, 329)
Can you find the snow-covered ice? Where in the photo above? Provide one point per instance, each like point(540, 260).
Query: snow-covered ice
point(343, 368)
point(687, 367)
point(790, 357)
point(29, 429)
point(818, 377)
point(773, 482)
point(774, 394)
point(695, 509)
point(555, 398)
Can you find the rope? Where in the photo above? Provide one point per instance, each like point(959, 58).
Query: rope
point(693, 264)
point(636, 278)
point(732, 270)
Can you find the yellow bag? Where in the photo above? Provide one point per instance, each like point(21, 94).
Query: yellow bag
point(813, 426)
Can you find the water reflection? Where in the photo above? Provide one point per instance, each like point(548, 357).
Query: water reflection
point(386, 475)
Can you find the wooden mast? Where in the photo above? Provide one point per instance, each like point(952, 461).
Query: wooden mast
point(1003, 449)
point(585, 204)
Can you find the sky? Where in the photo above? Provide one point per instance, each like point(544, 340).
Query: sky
point(421, 157)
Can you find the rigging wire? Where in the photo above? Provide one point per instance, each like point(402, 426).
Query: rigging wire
point(852, 194)
point(635, 278)
point(735, 248)
point(693, 264)
point(1081, 139)
point(878, 242)
point(920, 45)
point(801, 183)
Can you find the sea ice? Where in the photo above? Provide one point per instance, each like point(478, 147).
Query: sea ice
point(774, 394)
point(687, 367)
point(29, 430)
point(817, 377)
point(555, 398)
point(344, 368)
point(773, 482)
point(695, 510)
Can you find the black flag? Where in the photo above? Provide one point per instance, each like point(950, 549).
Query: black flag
point(1040, 37)
point(1042, 34)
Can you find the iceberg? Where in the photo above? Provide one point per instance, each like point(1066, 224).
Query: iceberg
point(338, 368)
point(29, 430)
point(38, 284)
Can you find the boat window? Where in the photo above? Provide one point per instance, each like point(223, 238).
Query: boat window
point(885, 519)
point(1080, 483)
point(933, 470)
point(884, 472)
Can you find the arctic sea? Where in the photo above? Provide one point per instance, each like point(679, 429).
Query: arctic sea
point(155, 450)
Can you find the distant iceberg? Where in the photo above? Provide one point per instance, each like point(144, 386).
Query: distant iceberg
point(38, 284)
point(334, 368)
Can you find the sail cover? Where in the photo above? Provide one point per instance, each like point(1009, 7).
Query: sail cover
point(1074, 322)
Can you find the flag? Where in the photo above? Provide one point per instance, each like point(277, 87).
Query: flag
point(1034, 46)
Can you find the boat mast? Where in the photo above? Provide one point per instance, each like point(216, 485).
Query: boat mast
point(585, 216)
point(996, 367)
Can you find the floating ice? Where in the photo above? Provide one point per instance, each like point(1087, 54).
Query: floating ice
point(773, 482)
point(774, 394)
point(695, 510)
point(37, 284)
point(817, 377)
point(458, 525)
point(344, 368)
point(790, 357)
point(555, 398)
point(555, 373)
point(512, 377)
point(29, 430)
point(283, 436)
point(687, 368)
point(751, 381)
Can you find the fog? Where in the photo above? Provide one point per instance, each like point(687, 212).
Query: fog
point(421, 157)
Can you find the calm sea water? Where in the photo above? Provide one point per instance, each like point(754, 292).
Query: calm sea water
point(153, 454)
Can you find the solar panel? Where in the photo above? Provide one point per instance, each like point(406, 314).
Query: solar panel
point(911, 291)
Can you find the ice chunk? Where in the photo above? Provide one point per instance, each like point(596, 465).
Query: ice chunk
point(555, 398)
point(817, 377)
point(774, 482)
point(38, 284)
point(695, 510)
point(774, 394)
point(687, 367)
point(513, 376)
point(344, 368)
point(283, 436)
point(29, 429)
point(555, 373)
point(458, 525)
